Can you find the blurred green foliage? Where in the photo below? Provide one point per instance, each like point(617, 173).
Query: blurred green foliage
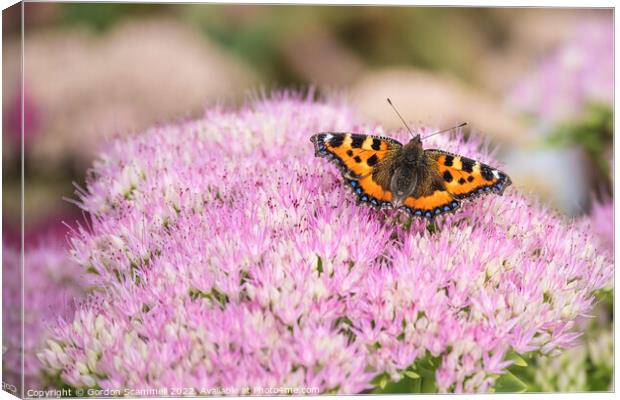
point(102, 16)
point(424, 37)
point(593, 132)
point(418, 378)
point(431, 38)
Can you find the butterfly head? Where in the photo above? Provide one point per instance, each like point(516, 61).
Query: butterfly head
point(416, 139)
point(413, 152)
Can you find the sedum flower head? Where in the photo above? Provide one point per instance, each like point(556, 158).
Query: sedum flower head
point(229, 256)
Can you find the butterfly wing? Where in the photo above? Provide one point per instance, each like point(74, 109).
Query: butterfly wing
point(464, 178)
point(363, 160)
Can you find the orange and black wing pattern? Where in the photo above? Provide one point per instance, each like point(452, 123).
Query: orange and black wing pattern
point(358, 157)
point(465, 178)
point(437, 202)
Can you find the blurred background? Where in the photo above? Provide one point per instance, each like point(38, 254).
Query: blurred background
point(536, 83)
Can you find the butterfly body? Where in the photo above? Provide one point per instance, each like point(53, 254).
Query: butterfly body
point(423, 182)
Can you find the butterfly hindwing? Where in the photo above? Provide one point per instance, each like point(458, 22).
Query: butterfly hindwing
point(368, 190)
point(464, 177)
point(430, 197)
point(356, 155)
point(429, 206)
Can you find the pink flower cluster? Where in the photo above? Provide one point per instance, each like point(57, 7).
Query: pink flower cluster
point(229, 256)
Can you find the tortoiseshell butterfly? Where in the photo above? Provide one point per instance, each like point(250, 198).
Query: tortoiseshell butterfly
point(424, 182)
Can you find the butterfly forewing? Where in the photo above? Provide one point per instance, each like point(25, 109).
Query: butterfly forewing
point(464, 177)
point(361, 158)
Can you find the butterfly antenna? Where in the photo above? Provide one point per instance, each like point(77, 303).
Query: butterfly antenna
point(401, 117)
point(462, 124)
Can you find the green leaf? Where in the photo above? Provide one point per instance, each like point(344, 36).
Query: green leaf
point(431, 227)
point(418, 378)
point(508, 383)
point(319, 265)
point(416, 386)
point(428, 384)
point(518, 360)
point(411, 374)
point(405, 385)
point(381, 381)
point(426, 368)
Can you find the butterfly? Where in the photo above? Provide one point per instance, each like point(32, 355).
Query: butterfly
point(384, 173)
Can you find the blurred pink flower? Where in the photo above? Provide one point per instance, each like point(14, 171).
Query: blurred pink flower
point(229, 256)
point(578, 72)
point(52, 285)
point(143, 71)
point(601, 221)
point(14, 119)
